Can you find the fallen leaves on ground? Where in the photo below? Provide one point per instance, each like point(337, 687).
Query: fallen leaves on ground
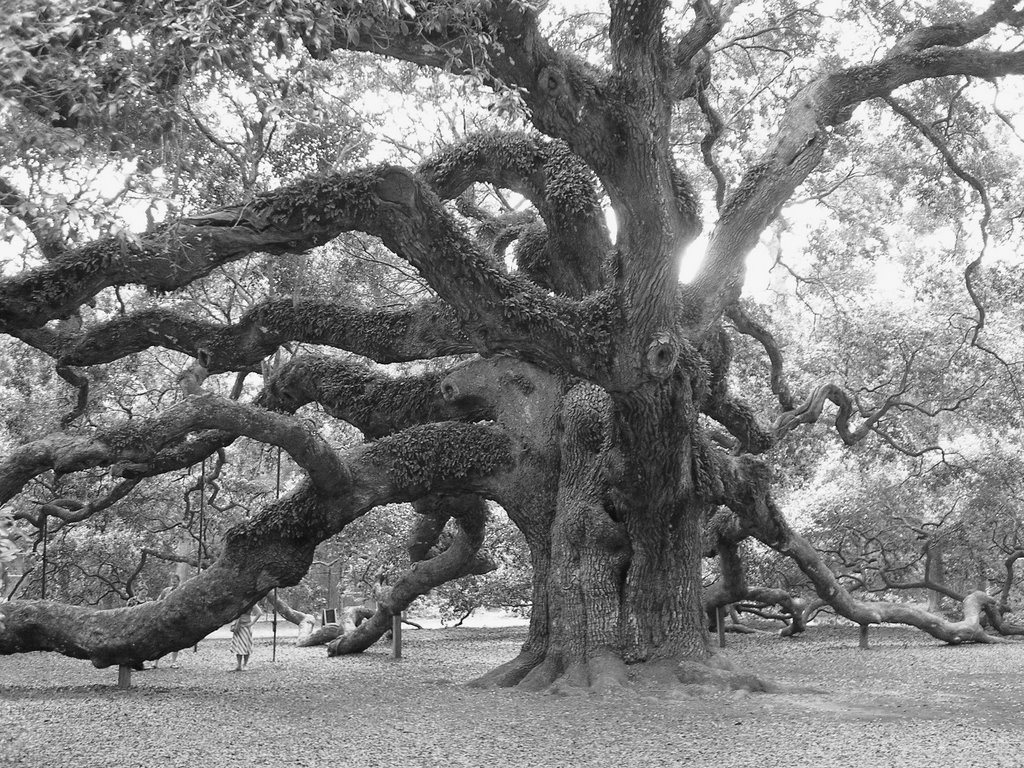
point(907, 701)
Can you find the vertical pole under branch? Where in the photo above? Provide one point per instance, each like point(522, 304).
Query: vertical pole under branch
point(202, 516)
point(720, 624)
point(396, 635)
point(273, 623)
point(202, 522)
point(42, 589)
point(864, 636)
point(124, 677)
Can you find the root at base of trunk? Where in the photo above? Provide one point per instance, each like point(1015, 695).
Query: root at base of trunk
point(607, 674)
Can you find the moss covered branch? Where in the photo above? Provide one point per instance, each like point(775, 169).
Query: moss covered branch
point(272, 549)
point(141, 440)
point(426, 330)
point(561, 187)
point(374, 402)
point(496, 310)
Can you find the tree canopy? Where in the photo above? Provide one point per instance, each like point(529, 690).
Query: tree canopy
point(627, 272)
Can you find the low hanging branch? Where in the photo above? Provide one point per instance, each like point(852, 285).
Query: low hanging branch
point(142, 439)
point(459, 558)
point(759, 516)
point(274, 548)
point(304, 621)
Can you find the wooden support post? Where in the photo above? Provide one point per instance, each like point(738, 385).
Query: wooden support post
point(864, 636)
point(273, 652)
point(720, 625)
point(124, 677)
point(396, 635)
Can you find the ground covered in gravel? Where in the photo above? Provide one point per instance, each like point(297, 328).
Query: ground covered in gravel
point(908, 701)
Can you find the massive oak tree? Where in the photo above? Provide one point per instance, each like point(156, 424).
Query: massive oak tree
point(591, 399)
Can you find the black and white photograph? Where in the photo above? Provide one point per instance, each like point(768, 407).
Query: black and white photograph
point(511, 383)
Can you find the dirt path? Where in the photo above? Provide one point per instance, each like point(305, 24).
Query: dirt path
point(906, 702)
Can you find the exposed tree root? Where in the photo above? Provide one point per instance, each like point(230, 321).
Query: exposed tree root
point(511, 673)
point(606, 673)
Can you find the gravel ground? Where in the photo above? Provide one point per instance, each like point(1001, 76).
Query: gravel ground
point(906, 702)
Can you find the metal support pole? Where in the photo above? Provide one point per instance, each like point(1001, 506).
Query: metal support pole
point(124, 677)
point(864, 636)
point(720, 625)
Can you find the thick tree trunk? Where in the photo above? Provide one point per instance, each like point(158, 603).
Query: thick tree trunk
point(527, 402)
point(589, 553)
point(661, 507)
point(623, 583)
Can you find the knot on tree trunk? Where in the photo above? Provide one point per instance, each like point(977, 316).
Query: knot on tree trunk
point(397, 186)
point(662, 355)
point(556, 88)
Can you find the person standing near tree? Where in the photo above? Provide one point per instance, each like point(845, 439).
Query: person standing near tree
point(241, 637)
point(174, 583)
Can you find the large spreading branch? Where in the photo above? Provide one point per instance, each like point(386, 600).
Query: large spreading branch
point(375, 403)
point(804, 134)
point(744, 490)
point(273, 548)
point(140, 440)
point(425, 330)
point(496, 310)
point(617, 122)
